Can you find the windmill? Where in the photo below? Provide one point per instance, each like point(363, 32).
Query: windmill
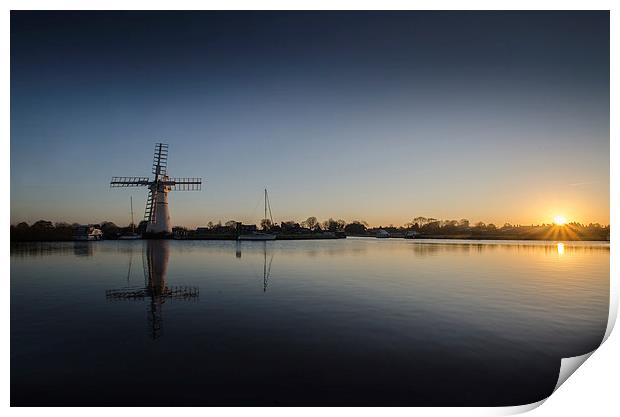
point(156, 213)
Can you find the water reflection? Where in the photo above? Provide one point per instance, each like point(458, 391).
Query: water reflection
point(30, 249)
point(349, 322)
point(155, 264)
point(560, 248)
point(266, 266)
point(82, 249)
point(431, 247)
point(266, 270)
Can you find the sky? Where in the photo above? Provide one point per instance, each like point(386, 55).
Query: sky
point(376, 116)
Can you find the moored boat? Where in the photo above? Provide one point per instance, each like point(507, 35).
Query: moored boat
point(88, 233)
point(131, 235)
point(257, 236)
point(383, 234)
point(410, 234)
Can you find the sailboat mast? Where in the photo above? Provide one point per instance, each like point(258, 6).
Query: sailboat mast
point(268, 205)
point(133, 226)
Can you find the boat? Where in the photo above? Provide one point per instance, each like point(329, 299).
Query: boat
point(132, 235)
point(411, 234)
point(87, 233)
point(257, 236)
point(260, 235)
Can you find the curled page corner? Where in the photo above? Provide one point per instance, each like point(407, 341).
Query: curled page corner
point(518, 409)
point(569, 366)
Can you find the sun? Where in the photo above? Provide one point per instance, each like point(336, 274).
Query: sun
point(559, 220)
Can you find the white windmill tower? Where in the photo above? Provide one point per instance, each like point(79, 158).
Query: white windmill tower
point(157, 214)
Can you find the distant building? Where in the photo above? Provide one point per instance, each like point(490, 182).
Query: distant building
point(180, 232)
point(382, 233)
point(246, 228)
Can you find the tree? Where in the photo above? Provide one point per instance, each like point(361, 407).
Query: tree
point(289, 225)
point(421, 221)
point(431, 225)
point(42, 225)
point(109, 229)
point(265, 224)
point(355, 228)
point(23, 226)
point(412, 225)
point(449, 223)
point(142, 226)
point(310, 223)
point(464, 223)
point(231, 224)
point(340, 224)
point(334, 225)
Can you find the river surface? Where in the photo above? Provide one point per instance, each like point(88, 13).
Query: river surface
point(357, 321)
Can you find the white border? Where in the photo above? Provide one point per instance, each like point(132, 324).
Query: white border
point(593, 391)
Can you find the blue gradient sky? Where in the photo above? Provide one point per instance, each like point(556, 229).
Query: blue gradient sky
point(376, 116)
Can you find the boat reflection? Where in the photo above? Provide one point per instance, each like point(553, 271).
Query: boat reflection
point(266, 270)
point(266, 266)
point(156, 290)
point(82, 249)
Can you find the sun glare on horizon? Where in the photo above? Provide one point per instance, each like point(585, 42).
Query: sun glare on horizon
point(559, 220)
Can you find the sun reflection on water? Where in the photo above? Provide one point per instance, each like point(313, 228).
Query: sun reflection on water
point(560, 248)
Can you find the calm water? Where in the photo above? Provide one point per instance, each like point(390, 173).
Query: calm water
point(343, 322)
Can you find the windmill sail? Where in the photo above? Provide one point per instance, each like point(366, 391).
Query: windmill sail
point(160, 160)
point(156, 212)
point(149, 211)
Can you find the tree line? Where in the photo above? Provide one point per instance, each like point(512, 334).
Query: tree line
point(44, 230)
point(424, 227)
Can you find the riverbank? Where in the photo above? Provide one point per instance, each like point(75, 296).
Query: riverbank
point(279, 236)
point(45, 231)
point(314, 237)
point(493, 237)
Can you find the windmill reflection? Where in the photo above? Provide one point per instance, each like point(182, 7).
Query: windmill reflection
point(155, 289)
